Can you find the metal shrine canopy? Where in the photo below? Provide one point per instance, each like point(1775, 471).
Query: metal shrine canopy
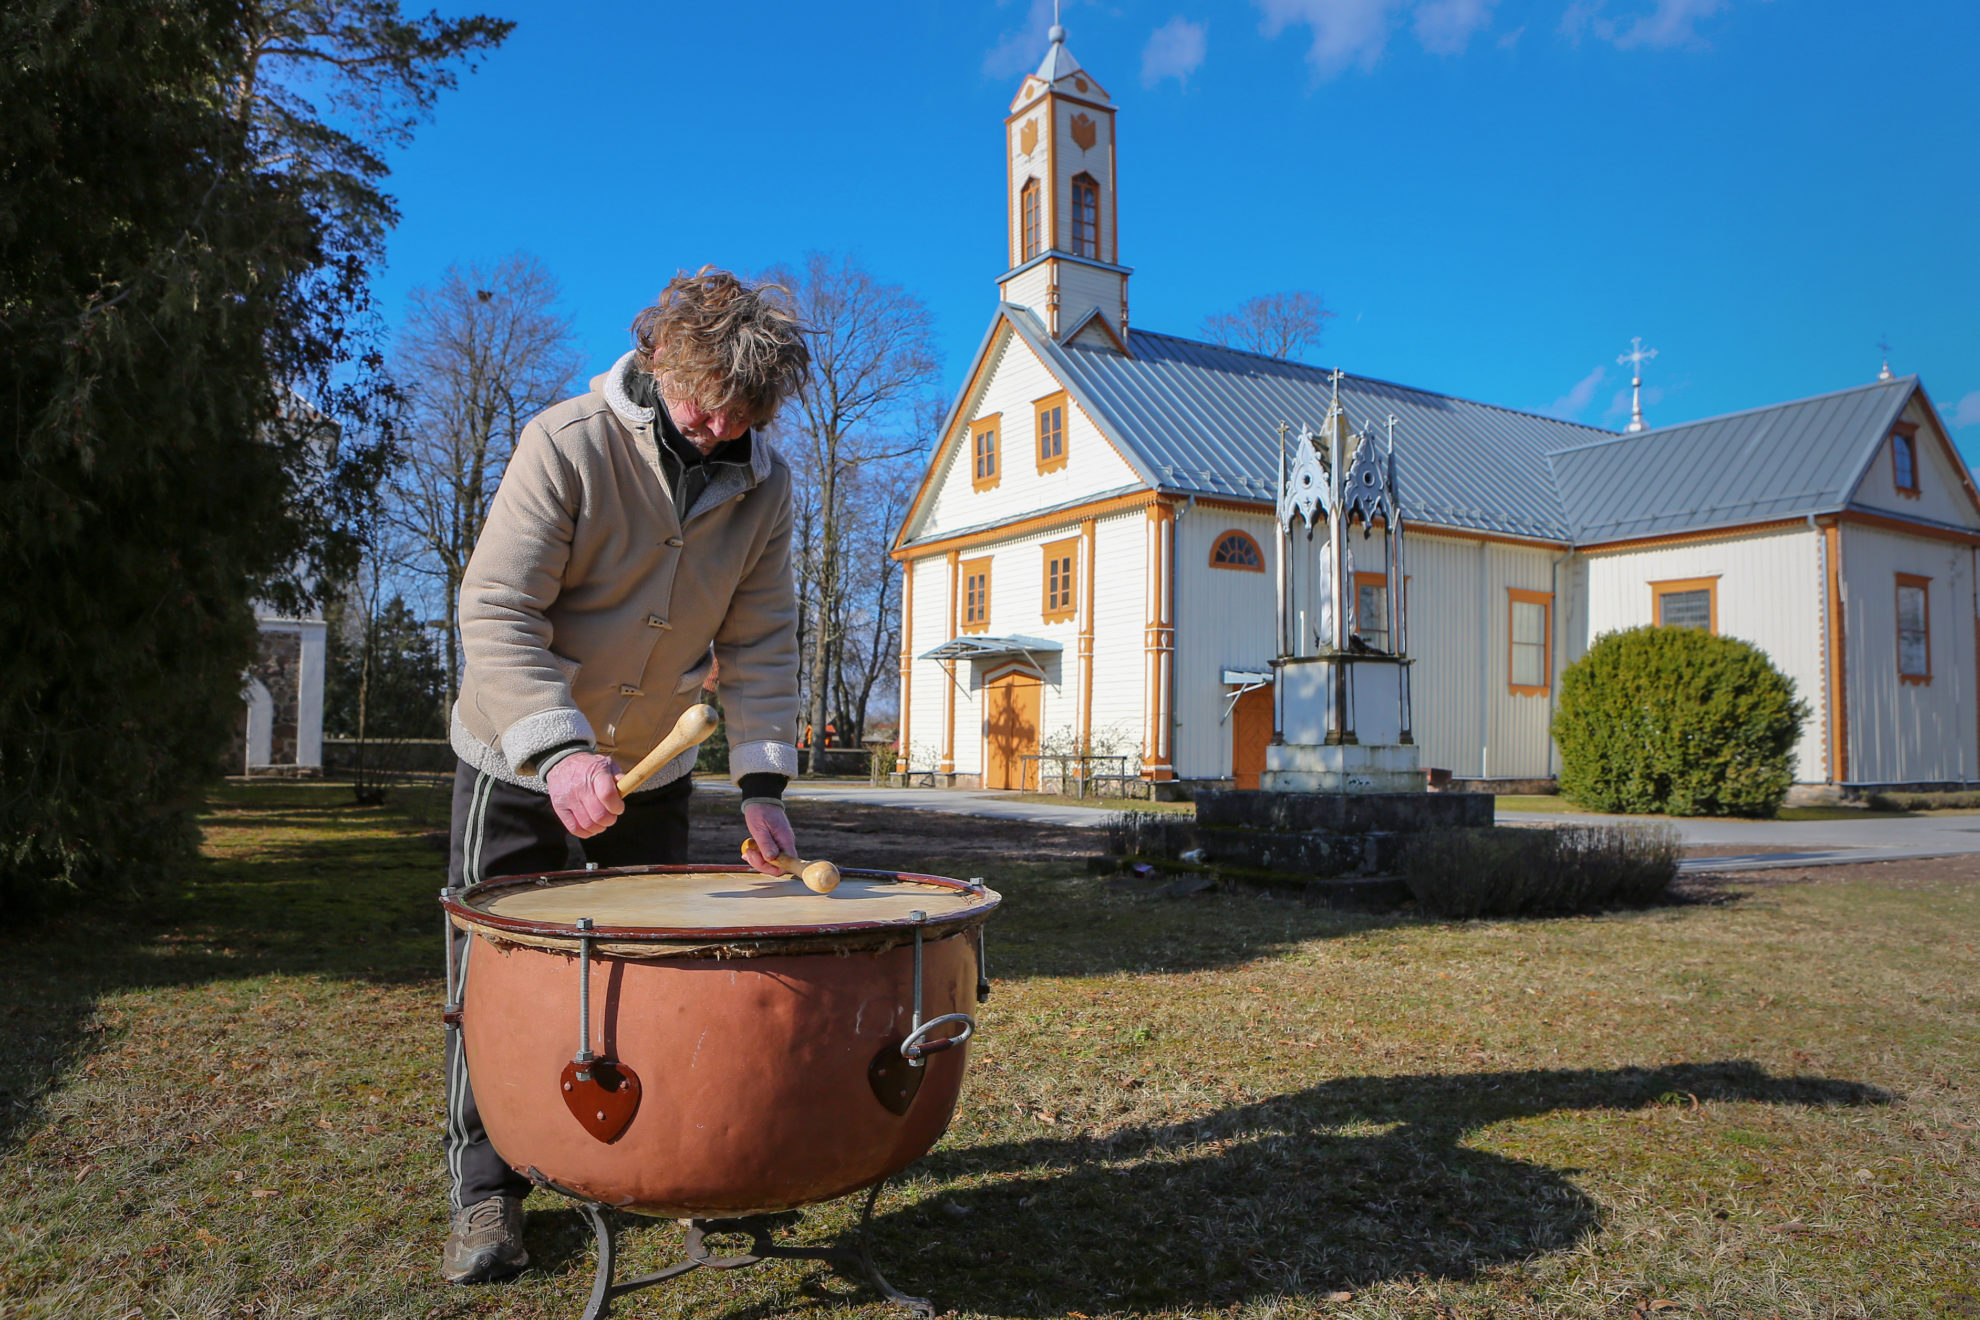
point(994, 648)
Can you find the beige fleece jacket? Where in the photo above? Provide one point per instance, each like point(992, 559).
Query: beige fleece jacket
point(589, 612)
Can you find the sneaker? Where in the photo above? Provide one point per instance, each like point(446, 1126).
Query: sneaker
point(486, 1243)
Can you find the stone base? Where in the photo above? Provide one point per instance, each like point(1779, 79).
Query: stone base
point(1316, 840)
point(1343, 768)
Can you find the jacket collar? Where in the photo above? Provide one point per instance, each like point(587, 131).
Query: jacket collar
point(733, 479)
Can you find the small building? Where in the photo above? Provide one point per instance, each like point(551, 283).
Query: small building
point(282, 725)
point(1087, 560)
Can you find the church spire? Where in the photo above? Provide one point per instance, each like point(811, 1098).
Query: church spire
point(1634, 360)
point(1063, 226)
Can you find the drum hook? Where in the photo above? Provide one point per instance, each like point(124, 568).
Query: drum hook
point(917, 1046)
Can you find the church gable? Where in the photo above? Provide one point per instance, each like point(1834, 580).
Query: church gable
point(1017, 444)
point(1916, 473)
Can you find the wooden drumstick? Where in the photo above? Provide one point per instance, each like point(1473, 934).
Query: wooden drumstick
point(693, 727)
point(818, 877)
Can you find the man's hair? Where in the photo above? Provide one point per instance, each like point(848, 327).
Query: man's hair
point(723, 343)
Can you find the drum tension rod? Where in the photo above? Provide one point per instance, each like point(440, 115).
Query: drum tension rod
point(982, 953)
point(585, 1057)
point(917, 917)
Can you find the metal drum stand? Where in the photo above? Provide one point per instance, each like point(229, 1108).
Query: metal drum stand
point(759, 1227)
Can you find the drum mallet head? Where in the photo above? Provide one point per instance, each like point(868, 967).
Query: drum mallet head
point(818, 877)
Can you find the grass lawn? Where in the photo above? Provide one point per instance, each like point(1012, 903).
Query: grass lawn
point(1756, 1106)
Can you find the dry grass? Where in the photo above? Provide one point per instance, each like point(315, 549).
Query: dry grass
point(1755, 1107)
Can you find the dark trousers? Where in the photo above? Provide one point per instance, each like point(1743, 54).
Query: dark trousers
point(500, 829)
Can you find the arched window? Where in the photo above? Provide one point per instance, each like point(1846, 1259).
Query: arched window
point(1236, 550)
point(1028, 218)
point(1086, 216)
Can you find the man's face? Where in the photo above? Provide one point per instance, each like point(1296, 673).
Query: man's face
point(703, 429)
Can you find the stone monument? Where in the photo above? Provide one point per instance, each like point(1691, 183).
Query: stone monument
point(1343, 786)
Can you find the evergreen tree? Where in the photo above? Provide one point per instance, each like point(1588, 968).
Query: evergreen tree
point(402, 687)
point(184, 240)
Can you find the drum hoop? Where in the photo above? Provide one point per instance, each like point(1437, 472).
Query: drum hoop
point(457, 907)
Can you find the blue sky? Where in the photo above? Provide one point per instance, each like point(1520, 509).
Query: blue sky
point(1493, 196)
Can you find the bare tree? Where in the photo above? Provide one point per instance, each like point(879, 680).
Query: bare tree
point(1280, 325)
point(481, 353)
point(873, 361)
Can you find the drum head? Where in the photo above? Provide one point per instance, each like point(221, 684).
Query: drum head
point(686, 908)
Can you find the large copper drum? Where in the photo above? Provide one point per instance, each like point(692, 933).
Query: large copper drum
point(763, 1024)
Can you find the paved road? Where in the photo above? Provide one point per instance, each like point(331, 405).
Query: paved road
point(1809, 843)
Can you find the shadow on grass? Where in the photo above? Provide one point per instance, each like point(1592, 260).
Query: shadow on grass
point(1339, 1186)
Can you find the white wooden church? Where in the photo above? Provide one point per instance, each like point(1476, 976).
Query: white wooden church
point(1087, 558)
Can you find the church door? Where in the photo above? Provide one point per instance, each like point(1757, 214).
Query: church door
point(1010, 731)
point(1251, 733)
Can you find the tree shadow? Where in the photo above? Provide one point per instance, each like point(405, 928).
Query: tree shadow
point(1341, 1185)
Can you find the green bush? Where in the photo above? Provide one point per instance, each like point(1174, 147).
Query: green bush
point(1953, 800)
point(1677, 721)
point(1508, 871)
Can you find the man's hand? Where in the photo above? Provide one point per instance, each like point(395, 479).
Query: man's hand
point(584, 791)
point(771, 829)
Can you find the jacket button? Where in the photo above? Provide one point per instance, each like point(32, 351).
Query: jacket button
point(675, 542)
point(655, 621)
point(628, 690)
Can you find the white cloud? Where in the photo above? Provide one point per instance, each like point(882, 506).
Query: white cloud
point(1571, 405)
point(1668, 24)
point(1445, 27)
point(1021, 50)
point(1353, 34)
point(1174, 50)
point(1967, 411)
point(1346, 33)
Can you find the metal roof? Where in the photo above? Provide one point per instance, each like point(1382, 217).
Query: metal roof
point(1199, 419)
point(1784, 461)
point(990, 648)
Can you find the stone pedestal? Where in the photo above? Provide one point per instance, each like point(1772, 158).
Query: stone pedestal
point(1341, 848)
point(1343, 768)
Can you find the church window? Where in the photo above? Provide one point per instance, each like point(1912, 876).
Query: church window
point(1061, 577)
point(1914, 628)
point(1028, 219)
point(1051, 414)
point(1086, 216)
point(985, 469)
point(1904, 458)
point(1234, 549)
point(1530, 655)
point(1371, 609)
point(976, 595)
point(1686, 603)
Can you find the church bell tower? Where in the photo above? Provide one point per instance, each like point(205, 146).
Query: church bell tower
point(1063, 220)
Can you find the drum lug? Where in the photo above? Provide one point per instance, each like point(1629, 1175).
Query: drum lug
point(602, 1094)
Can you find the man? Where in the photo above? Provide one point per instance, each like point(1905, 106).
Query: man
point(641, 535)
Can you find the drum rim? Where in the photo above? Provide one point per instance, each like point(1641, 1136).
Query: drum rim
point(457, 906)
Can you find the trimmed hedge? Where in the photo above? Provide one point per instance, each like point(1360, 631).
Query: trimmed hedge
point(1526, 871)
point(1677, 721)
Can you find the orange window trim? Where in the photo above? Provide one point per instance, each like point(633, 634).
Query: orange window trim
point(986, 462)
point(976, 595)
point(1924, 584)
point(1028, 208)
point(1909, 432)
point(1544, 599)
point(1051, 415)
point(1061, 571)
point(1258, 556)
point(1659, 590)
